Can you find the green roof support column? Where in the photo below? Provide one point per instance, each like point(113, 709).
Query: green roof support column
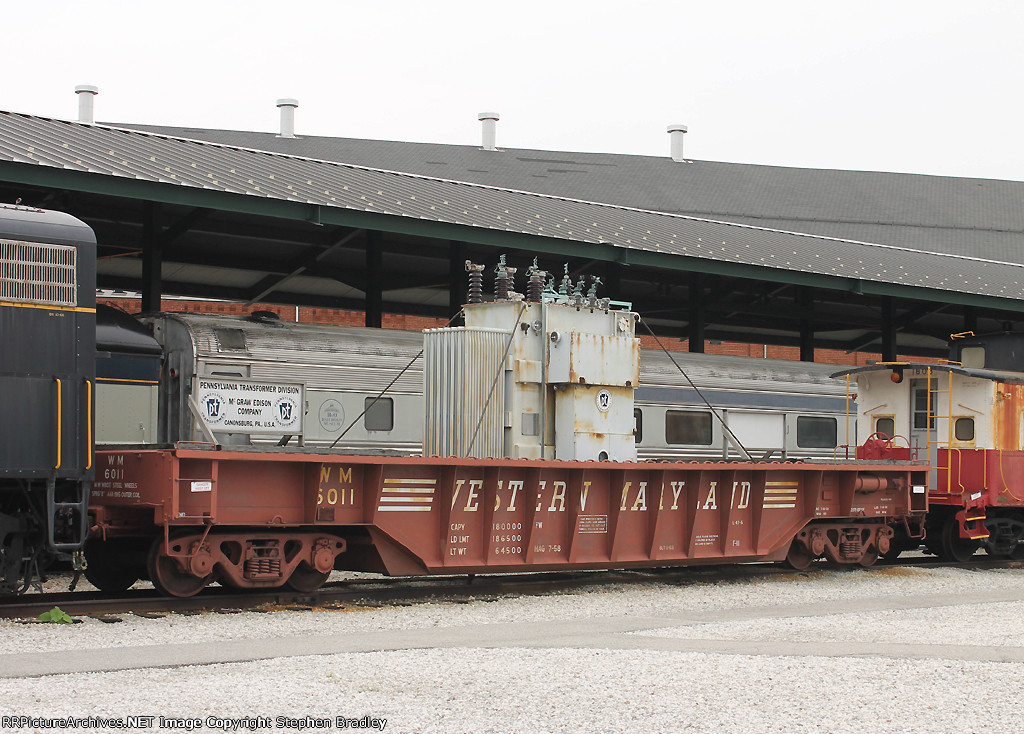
point(888, 330)
point(697, 316)
point(970, 319)
point(456, 276)
point(805, 303)
point(374, 278)
point(152, 258)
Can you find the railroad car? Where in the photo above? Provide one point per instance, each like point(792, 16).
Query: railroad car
point(47, 389)
point(965, 419)
point(529, 436)
point(773, 407)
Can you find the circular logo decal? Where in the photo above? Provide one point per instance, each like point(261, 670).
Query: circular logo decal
point(287, 412)
point(604, 401)
point(213, 408)
point(332, 415)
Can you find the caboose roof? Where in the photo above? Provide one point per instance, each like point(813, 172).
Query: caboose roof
point(992, 375)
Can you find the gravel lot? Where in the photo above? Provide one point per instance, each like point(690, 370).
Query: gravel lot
point(585, 682)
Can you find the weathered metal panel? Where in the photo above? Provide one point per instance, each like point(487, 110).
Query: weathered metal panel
point(596, 360)
point(1007, 406)
point(591, 420)
point(432, 515)
point(979, 478)
point(464, 392)
point(126, 413)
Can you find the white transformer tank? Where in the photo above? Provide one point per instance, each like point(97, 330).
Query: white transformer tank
point(533, 380)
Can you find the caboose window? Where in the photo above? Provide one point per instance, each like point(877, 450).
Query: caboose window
point(816, 433)
point(380, 414)
point(886, 426)
point(963, 429)
point(973, 357)
point(689, 427)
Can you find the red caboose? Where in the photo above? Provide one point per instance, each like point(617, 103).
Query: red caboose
point(965, 418)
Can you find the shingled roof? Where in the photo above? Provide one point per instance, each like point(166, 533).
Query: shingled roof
point(632, 232)
point(960, 216)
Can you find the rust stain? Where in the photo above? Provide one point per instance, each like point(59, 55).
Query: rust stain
point(1006, 412)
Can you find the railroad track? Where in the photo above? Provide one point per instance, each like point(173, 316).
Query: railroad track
point(408, 590)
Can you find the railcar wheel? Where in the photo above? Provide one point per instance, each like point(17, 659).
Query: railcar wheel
point(107, 567)
point(306, 579)
point(168, 578)
point(955, 548)
point(1017, 554)
point(799, 558)
point(869, 558)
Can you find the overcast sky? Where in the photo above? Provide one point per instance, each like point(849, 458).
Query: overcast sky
point(913, 86)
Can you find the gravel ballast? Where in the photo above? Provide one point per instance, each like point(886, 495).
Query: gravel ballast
point(619, 658)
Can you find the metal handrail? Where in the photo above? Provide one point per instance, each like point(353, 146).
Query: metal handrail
point(88, 424)
point(60, 415)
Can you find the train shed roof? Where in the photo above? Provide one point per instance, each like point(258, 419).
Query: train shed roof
point(192, 178)
point(959, 216)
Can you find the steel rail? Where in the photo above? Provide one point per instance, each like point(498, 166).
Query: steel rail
point(404, 590)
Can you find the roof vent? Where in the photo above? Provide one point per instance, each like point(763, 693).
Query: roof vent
point(287, 107)
point(677, 132)
point(86, 93)
point(490, 124)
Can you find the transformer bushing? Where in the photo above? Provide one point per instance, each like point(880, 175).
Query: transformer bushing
point(476, 282)
point(535, 286)
point(566, 285)
point(503, 280)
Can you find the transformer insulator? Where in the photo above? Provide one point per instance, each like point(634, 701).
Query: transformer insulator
point(566, 285)
point(501, 289)
point(535, 286)
point(503, 283)
point(476, 282)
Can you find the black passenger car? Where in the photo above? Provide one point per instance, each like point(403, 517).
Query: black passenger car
point(47, 388)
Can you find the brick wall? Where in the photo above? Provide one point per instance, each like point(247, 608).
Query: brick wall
point(416, 323)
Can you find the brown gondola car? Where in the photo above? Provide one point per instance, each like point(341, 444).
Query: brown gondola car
point(258, 518)
point(529, 408)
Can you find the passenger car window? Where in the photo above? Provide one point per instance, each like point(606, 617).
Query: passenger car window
point(380, 415)
point(816, 433)
point(689, 427)
point(638, 425)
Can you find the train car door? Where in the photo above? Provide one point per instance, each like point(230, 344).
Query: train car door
point(922, 423)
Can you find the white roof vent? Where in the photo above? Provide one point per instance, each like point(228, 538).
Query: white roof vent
point(287, 107)
point(677, 132)
point(86, 94)
point(489, 121)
